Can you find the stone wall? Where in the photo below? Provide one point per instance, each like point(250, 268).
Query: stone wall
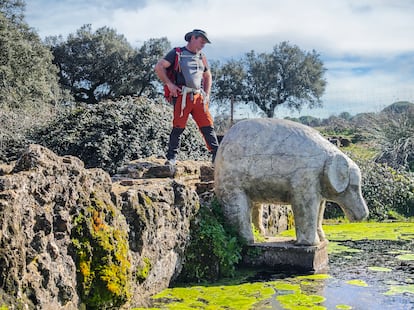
point(277, 218)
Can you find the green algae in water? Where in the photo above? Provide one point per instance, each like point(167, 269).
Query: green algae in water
point(362, 231)
point(400, 289)
point(335, 247)
point(405, 257)
point(243, 296)
point(233, 297)
point(313, 278)
point(365, 230)
point(370, 230)
point(379, 269)
point(319, 276)
point(285, 286)
point(357, 282)
point(301, 301)
point(399, 252)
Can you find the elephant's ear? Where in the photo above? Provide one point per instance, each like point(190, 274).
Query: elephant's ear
point(337, 172)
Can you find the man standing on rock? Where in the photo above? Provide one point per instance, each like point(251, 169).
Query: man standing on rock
point(190, 91)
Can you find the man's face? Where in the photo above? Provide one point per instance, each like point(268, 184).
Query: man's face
point(199, 42)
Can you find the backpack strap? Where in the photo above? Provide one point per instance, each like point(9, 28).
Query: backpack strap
point(204, 59)
point(172, 73)
point(177, 59)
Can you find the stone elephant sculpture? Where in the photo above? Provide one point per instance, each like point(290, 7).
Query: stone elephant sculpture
point(280, 161)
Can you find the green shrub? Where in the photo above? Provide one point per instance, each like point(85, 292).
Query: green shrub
point(109, 134)
point(16, 125)
point(387, 190)
point(397, 141)
point(214, 250)
point(29, 89)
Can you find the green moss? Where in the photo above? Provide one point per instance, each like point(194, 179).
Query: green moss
point(399, 252)
point(243, 296)
point(300, 290)
point(357, 282)
point(258, 237)
point(409, 256)
point(301, 301)
point(291, 293)
point(144, 199)
point(290, 221)
point(102, 261)
point(370, 231)
point(286, 286)
point(362, 231)
point(400, 289)
point(143, 271)
point(335, 247)
point(4, 307)
point(288, 233)
point(343, 307)
point(321, 276)
point(379, 269)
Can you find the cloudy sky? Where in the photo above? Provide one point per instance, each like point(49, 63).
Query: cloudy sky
point(367, 46)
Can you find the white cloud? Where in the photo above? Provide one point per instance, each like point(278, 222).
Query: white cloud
point(353, 27)
point(366, 45)
point(357, 27)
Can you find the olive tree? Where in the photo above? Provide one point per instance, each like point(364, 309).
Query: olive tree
point(27, 75)
point(141, 78)
point(229, 80)
point(12, 9)
point(287, 76)
point(29, 88)
point(102, 65)
point(91, 64)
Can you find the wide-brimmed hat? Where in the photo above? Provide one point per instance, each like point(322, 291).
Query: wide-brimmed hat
point(196, 32)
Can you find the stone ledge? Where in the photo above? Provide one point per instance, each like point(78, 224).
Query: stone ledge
point(148, 168)
point(283, 255)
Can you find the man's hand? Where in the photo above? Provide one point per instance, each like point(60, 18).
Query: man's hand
point(161, 71)
point(174, 89)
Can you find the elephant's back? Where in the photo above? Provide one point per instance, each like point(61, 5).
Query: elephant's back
point(273, 136)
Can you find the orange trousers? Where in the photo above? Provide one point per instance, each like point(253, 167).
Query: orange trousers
point(194, 106)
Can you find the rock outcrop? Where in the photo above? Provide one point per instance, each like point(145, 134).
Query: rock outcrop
point(158, 210)
point(76, 238)
point(70, 236)
point(52, 210)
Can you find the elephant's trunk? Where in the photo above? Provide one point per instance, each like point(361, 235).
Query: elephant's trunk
point(354, 206)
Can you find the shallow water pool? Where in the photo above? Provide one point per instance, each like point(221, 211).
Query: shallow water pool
point(371, 266)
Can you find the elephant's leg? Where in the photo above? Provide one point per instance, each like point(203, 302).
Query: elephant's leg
point(257, 217)
point(237, 211)
point(321, 233)
point(306, 212)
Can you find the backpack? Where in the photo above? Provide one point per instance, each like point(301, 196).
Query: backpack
point(173, 70)
point(172, 73)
